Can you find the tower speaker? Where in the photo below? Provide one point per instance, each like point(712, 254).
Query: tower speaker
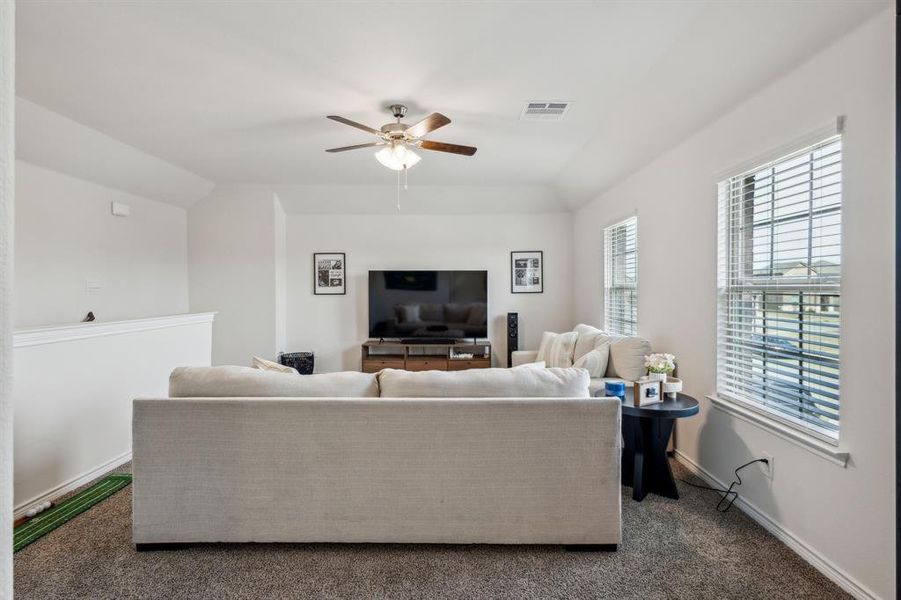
point(512, 336)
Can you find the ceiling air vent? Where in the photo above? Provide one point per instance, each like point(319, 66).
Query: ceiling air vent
point(545, 111)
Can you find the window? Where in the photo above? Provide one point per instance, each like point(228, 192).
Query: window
point(621, 277)
point(779, 288)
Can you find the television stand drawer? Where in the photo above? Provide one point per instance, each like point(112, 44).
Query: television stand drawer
point(436, 363)
point(374, 365)
point(461, 364)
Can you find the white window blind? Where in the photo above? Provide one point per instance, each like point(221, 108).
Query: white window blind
point(779, 287)
point(621, 277)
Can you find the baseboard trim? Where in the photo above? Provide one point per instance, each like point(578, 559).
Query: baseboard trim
point(817, 560)
point(64, 488)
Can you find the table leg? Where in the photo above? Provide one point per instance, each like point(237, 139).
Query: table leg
point(645, 465)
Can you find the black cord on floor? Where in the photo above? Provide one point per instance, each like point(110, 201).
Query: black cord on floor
point(730, 494)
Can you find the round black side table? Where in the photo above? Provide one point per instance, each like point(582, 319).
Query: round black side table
point(646, 433)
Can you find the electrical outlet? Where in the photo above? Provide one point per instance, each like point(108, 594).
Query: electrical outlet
point(767, 467)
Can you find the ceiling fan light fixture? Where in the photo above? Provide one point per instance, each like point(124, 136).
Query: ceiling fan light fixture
point(397, 157)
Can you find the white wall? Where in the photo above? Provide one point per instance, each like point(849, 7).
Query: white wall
point(7, 195)
point(72, 425)
point(232, 258)
point(844, 515)
point(53, 141)
point(66, 235)
point(334, 326)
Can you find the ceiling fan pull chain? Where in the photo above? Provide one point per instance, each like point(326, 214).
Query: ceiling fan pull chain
point(398, 191)
point(405, 178)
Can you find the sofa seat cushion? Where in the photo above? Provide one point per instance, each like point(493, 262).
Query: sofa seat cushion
point(485, 383)
point(245, 382)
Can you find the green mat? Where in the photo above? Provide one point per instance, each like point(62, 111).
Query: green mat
point(65, 511)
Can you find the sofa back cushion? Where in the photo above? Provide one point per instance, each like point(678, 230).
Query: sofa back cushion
point(244, 382)
point(625, 355)
point(485, 383)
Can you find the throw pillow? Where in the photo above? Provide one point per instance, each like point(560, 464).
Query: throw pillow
point(595, 361)
point(556, 349)
point(589, 339)
point(268, 365)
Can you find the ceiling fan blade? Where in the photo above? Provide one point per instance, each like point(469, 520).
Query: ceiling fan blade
point(357, 147)
point(430, 123)
point(442, 147)
point(354, 124)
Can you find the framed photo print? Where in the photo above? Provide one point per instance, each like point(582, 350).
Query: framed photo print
point(329, 273)
point(646, 392)
point(527, 272)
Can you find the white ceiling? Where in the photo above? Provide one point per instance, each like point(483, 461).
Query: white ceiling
point(238, 91)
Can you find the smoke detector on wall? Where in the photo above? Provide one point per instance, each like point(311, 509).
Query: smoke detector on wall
point(545, 111)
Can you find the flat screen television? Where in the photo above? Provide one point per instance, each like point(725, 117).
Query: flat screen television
point(428, 304)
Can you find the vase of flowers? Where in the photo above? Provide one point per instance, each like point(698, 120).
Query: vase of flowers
point(659, 366)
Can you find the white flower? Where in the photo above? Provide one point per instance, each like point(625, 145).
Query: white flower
point(660, 363)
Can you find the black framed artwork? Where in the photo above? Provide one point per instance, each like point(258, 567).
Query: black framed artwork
point(329, 274)
point(527, 272)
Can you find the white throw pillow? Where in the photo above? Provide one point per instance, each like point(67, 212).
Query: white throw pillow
point(268, 365)
point(595, 361)
point(590, 338)
point(556, 349)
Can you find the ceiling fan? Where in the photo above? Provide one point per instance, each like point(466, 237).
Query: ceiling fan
point(398, 139)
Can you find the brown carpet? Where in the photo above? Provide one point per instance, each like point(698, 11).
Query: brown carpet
point(671, 549)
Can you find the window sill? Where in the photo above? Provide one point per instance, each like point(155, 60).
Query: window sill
point(799, 438)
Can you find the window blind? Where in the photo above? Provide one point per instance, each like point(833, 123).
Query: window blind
point(779, 287)
point(621, 277)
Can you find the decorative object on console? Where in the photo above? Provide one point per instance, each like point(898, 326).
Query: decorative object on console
point(329, 273)
point(659, 365)
point(527, 272)
point(302, 362)
point(647, 391)
point(268, 365)
point(672, 386)
point(88, 318)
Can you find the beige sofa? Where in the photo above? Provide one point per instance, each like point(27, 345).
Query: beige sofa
point(624, 355)
point(499, 456)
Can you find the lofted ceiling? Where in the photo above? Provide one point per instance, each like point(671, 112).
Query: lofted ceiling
point(237, 92)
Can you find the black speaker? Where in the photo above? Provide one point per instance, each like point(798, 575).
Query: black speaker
point(512, 336)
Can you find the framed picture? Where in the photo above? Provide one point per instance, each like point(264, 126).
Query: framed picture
point(646, 392)
point(329, 273)
point(527, 272)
